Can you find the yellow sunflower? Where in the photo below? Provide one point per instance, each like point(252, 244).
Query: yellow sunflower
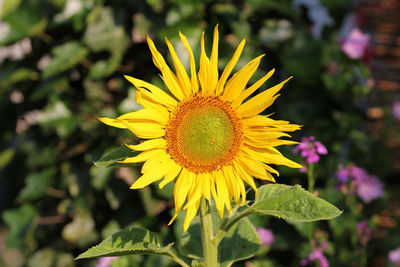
point(204, 134)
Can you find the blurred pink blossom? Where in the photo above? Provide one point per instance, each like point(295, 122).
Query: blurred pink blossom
point(310, 149)
point(355, 45)
point(363, 233)
point(266, 236)
point(317, 255)
point(394, 256)
point(396, 110)
point(352, 179)
point(105, 261)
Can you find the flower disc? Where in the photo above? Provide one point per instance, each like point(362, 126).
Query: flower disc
point(203, 133)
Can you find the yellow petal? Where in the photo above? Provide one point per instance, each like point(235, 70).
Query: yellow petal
point(149, 144)
point(270, 156)
point(172, 171)
point(149, 177)
point(158, 162)
point(222, 189)
point(253, 167)
point(230, 181)
point(206, 180)
point(153, 92)
point(182, 187)
point(196, 192)
point(259, 102)
point(229, 67)
point(205, 69)
point(238, 82)
point(193, 78)
point(190, 214)
point(146, 114)
point(245, 176)
point(183, 78)
point(214, 59)
point(169, 78)
point(246, 93)
point(146, 130)
point(143, 156)
point(218, 202)
point(112, 122)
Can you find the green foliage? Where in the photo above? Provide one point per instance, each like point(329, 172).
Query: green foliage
point(292, 203)
point(62, 64)
point(111, 159)
point(127, 242)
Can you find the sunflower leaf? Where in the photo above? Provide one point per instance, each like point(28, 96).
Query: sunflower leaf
point(127, 242)
point(240, 243)
point(292, 203)
point(111, 159)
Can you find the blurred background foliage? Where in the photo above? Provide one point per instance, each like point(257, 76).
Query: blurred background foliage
point(62, 64)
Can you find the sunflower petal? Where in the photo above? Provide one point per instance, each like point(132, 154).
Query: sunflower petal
point(149, 144)
point(169, 78)
point(144, 156)
point(149, 177)
point(172, 171)
point(229, 67)
point(193, 78)
point(246, 93)
point(260, 102)
point(153, 92)
point(205, 69)
point(238, 82)
point(183, 78)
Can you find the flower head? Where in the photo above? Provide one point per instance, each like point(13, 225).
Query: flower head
point(356, 44)
point(394, 256)
point(396, 110)
point(202, 134)
point(317, 255)
point(363, 233)
point(266, 235)
point(310, 149)
point(352, 179)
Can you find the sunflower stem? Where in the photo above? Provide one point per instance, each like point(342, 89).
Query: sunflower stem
point(210, 248)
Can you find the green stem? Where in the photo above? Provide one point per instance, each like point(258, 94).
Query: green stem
point(210, 247)
point(311, 177)
point(226, 225)
point(311, 182)
point(177, 259)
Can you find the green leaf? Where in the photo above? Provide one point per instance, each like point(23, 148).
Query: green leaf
point(36, 185)
point(127, 242)
point(104, 34)
point(110, 159)
point(292, 203)
point(25, 21)
point(241, 242)
point(21, 223)
point(65, 57)
point(6, 156)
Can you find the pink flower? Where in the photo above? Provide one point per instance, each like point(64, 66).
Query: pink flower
point(396, 110)
point(105, 261)
point(310, 149)
point(394, 256)
point(356, 44)
point(352, 179)
point(316, 255)
point(266, 236)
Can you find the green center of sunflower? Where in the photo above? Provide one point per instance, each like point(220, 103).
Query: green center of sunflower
point(206, 134)
point(203, 133)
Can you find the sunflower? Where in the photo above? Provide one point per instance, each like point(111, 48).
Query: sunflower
point(204, 134)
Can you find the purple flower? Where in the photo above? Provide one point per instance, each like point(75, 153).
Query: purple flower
point(310, 149)
point(396, 110)
point(317, 255)
point(266, 236)
point(105, 261)
point(394, 256)
point(369, 188)
point(355, 44)
point(363, 233)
